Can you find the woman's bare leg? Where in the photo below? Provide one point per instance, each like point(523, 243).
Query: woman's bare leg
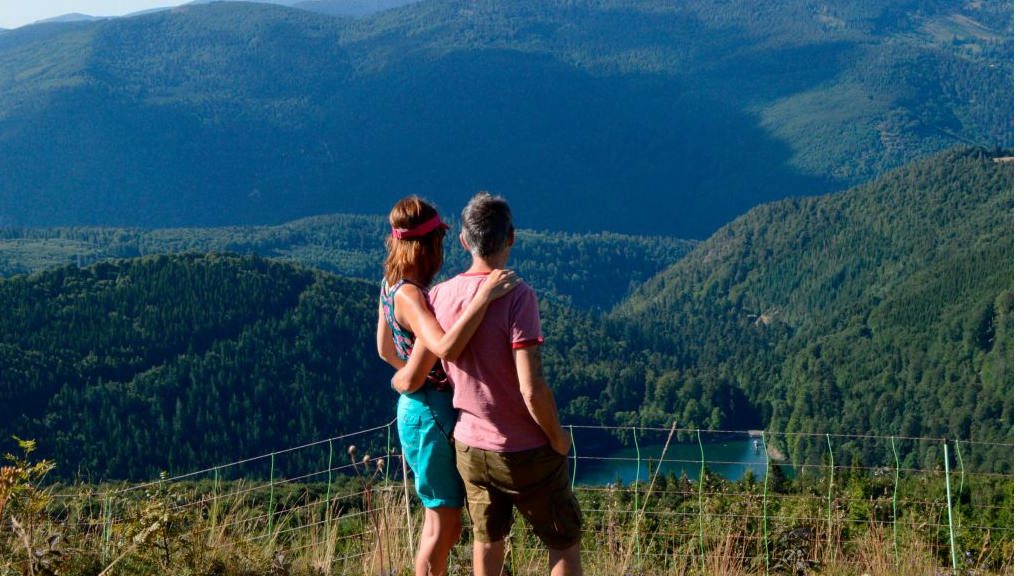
point(441, 530)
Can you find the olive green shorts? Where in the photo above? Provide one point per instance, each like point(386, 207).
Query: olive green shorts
point(535, 481)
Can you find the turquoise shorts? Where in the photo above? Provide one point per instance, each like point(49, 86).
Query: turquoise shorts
point(426, 419)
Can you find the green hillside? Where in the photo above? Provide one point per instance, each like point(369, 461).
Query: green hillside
point(174, 362)
point(885, 309)
point(589, 271)
point(648, 117)
point(184, 361)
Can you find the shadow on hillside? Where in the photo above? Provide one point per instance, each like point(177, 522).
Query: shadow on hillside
point(640, 153)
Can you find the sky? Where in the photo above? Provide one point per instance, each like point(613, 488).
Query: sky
point(14, 13)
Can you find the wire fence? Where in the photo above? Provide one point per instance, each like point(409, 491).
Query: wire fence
point(654, 499)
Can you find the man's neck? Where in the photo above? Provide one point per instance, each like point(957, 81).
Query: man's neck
point(486, 265)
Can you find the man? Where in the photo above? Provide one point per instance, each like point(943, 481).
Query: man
point(510, 448)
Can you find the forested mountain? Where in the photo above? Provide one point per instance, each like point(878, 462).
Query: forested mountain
point(885, 309)
point(125, 369)
point(589, 271)
point(651, 116)
point(185, 361)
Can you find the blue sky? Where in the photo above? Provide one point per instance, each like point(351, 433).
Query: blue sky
point(14, 13)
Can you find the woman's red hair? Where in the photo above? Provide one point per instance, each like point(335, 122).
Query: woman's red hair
point(417, 259)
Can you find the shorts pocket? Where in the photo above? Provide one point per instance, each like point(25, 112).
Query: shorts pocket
point(411, 418)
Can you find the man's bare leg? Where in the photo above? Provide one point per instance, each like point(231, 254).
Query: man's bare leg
point(565, 562)
point(488, 558)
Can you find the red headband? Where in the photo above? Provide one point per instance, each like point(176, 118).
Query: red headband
point(418, 231)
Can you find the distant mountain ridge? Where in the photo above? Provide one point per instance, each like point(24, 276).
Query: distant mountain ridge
point(351, 8)
point(276, 2)
point(644, 117)
point(559, 265)
point(71, 17)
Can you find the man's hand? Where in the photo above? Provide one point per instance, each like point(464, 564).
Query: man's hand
point(562, 443)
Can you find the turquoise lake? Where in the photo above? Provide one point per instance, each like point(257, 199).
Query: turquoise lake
point(730, 459)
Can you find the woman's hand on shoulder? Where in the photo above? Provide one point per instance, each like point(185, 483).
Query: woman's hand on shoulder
point(500, 282)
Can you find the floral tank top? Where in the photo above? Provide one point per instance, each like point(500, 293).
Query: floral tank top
point(404, 339)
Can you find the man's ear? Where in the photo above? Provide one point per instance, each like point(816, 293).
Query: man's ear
point(462, 240)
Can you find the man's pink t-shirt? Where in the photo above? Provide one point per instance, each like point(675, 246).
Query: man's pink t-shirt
point(492, 413)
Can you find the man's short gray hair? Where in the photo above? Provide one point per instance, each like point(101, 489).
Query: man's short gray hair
point(486, 224)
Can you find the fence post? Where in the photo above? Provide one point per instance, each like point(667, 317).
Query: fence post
point(387, 462)
point(700, 505)
point(216, 496)
point(408, 508)
point(963, 471)
point(831, 480)
point(949, 507)
point(572, 439)
point(895, 489)
point(106, 527)
point(764, 516)
point(270, 503)
point(636, 495)
point(330, 472)
point(650, 488)
point(636, 481)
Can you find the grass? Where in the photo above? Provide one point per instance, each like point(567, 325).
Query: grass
point(361, 524)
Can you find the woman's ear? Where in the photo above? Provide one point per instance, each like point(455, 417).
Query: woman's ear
point(511, 237)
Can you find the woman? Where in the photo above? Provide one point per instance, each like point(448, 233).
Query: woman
point(425, 414)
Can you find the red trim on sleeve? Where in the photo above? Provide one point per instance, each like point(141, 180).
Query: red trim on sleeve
point(526, 343)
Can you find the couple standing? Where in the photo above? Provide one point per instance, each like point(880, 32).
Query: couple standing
point(469, 366)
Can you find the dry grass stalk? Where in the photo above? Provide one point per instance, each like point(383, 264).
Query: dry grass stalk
point(371, 539)
point(726, 555)
point(136, 542)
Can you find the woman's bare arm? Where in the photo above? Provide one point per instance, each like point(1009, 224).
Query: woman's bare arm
point(414, 374)
point(450, 345)
point(412, 311)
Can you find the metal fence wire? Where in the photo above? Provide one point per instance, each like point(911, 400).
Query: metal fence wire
point(661, 498)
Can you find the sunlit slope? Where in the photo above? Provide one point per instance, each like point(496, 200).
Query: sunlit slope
point(646, 117)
